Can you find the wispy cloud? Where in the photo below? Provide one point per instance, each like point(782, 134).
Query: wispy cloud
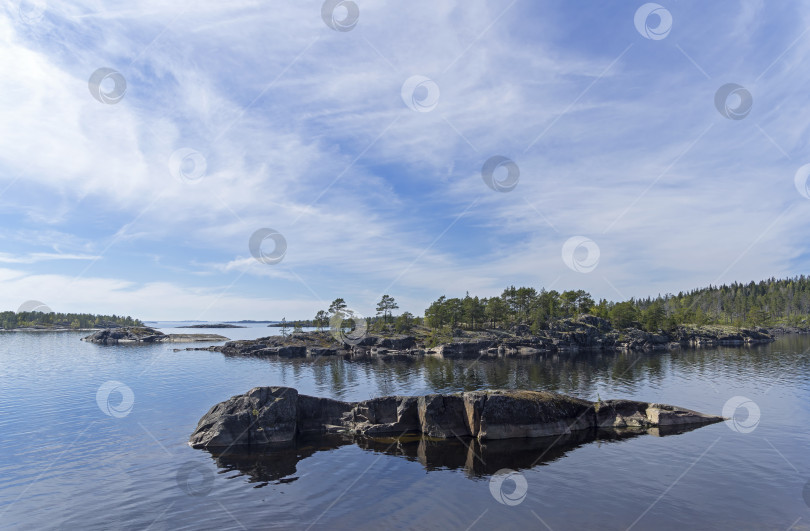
point(303, 130)
point(42, 257)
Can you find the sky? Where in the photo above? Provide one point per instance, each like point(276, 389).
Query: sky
point(256, 160)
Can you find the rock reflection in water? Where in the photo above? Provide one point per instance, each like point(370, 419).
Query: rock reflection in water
point(476, 458)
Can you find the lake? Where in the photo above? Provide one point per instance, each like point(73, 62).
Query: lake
point(77, 451)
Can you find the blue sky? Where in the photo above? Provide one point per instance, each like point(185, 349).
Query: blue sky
point(304, 130)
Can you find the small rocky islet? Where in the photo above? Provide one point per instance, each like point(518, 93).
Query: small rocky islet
point(274, 416)
point(145, 334)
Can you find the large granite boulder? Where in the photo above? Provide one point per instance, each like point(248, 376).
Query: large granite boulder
point(266, 415)
point(388, 415)
point(263, 415)
point(317, 352)
point(317, 415)
point(511, 414)
point(443, 416)
point(463, 349)
point(292, 351)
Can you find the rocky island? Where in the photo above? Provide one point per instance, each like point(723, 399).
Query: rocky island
point(279, 415)
point(144, 334)
point(586, 332)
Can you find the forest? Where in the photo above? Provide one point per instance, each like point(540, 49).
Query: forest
point(770, 302)
point(11, 320)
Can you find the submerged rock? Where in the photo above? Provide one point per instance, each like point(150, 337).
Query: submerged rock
point(267, 415)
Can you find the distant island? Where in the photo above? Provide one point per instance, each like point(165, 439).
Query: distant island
point(582, 333)
point(526, 322)
point(302, 323)
point(212, 325)
point(779, 305)
point(63, 321)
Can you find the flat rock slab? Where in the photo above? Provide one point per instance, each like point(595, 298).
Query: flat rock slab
point(267, 415)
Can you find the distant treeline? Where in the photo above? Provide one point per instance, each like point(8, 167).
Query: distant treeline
point(301, 323)
point(767, 303)
point(11, 320)
point(514, 306)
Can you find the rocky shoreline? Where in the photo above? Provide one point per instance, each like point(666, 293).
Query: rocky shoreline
point(586, 333)
point(279, 415)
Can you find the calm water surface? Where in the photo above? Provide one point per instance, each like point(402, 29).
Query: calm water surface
point(66, 464)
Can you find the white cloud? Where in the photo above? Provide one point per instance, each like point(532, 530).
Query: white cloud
point(283, 109)
point(42, 257)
